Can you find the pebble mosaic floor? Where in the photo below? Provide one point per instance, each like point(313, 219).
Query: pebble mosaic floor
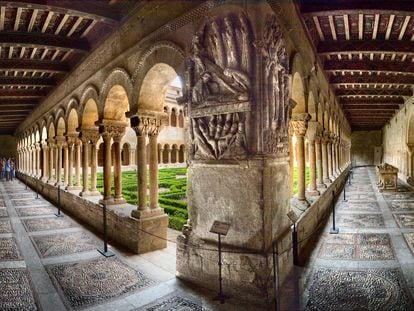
point(52, 264)
point(369, 265)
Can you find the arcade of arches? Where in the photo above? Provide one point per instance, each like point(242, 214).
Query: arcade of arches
point(269, 121)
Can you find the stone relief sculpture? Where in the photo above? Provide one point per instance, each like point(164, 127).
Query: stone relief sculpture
point(220, 88)
point(276, 92)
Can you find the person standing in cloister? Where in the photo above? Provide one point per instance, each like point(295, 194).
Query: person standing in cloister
point(7, 169)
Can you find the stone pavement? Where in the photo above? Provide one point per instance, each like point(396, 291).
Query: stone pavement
point(51, 263)
point(369, 265)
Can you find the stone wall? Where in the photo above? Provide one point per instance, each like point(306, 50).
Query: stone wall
point(123, 230)
point(366, 147)
point(7, 146)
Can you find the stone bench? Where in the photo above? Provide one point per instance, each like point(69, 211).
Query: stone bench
point(387, 177)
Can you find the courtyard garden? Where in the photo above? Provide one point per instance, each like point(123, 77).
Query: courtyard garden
point(172, 186)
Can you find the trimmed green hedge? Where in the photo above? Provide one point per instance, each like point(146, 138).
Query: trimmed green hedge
point(172, 201)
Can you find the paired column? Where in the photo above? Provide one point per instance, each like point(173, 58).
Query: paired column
point(110, 129)
point(45, 150)
point(65, 164)
point(329, 152)
point(147, 125)
point(77, 164)
point(319, 162)
point(71, 144)
point(300, 123)
point(311, 135)
point(60, 141)
point(38, 171)
point(94, 162)
point(325, 170)
point(85, 163)
point(51, 142)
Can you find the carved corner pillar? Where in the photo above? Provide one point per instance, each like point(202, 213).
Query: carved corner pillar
point(237, 97)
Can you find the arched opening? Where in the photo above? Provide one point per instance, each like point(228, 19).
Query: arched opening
point(116, 104)
point(181, 119)
point(410, 149)
point(165, 154)
point(100, 155)
point(125, 154)
point(173, 117)
point(174, 157)
point(181, 154)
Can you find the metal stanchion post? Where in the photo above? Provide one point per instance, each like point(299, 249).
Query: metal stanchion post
point(276, 274)
point(333, 229)
point(295, 246)
point(58, 203)
point(345, 200)
point(105, 252)
point(37, 189)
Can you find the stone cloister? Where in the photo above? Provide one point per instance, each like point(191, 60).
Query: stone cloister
point(271, 120)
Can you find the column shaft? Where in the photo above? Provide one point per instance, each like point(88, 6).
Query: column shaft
point(153, 171)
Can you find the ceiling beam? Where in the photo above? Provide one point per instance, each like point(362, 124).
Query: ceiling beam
point(368, 66)
point(22, 94)
point(332, 47)
point(370, 108)
point(329, 7)
point(375, 101)
point(91, 9)
point(373, 92)
point(42, 40)
point(379, 79)
point(33, 65)
point(10, 81)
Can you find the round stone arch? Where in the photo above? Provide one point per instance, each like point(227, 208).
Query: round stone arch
point(298, 86)
point(320, 110)
point(89, 96)
point(51, 131)
point(159, 66)
point(115, 96)
point(312, 108)
point(43, 131)
point(60, 122)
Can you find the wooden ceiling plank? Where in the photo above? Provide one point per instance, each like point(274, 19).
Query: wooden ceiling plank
point(404, 27)
point(55, 54)
point(318, 28)
point(47, 21)
point(42, 57)
point(33, 53)
point(39, 40)
point(33, 65)
point(346, 26)
point(10, 52)
point(2, 17)
point(375, 29)
point(374, 66)
point(360, 26)
point(17, 20)
point(389, 27)
point(75, 26)
point(101, 12)
point(332, 27)
point(22, 50)
point(61, 24)
point(32, 20)
point(89, 28)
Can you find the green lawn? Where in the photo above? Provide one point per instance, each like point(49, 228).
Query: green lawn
point(171, 195)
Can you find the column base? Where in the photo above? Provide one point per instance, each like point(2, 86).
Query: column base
point(51, 182)
point(44, 179)
point(84, 194)
point(327, 181)
point(298, 206)
point(112, 201)
point(94, 193)
point(148, 212)
point(312, 193)
point(151, 234)
point(321, 186)
point(73, 188)
point(61, 184)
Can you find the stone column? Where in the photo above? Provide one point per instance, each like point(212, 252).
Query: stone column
point(333, 156)
point(329, 152)
point(31, 159)
point(169, 155)
point(153, 131)
point(38, 172)
point(325, 169)
point(106, 136)
point(337, 153)
point(159, 154)
point(60, 141)
point(141, 132)
point(65, 164)
point(410, 177)
point(94, 164)
point(311, 136)
point(77, 164)
point(51, 142)
point(319, 165)
point(85, 163)
point(71, 143)
point(299, 123)
point(118, 133)
point(56, 163)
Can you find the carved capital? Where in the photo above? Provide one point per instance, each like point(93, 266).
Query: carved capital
point(88, 135)
point(410, 148)
point(148, 123)
point(300, 124)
